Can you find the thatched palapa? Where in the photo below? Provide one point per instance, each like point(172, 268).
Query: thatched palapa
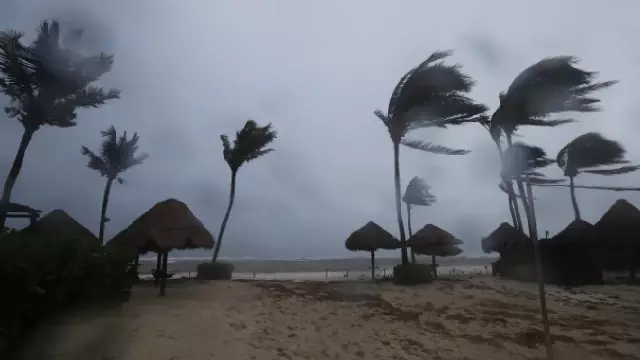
point(618, 233)
point(168, 225)
point(505, 234)
point(516, 252)
point(434, 241)
point(60, 224)
point(371, 237)
point(569, 258)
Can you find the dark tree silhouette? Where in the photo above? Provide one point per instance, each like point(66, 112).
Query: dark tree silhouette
point(46, 83)
point(117, 155)
point(549, 87)
point(417, 193)
point(588, 153)
point(430, 95)
point(250, 144)
point(521, 162)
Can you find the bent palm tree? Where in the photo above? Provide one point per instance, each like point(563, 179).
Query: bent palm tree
point(431, 94)
point(46, 83)
point(587, 153)
point(551, 86)
point(250, 144)
point(522, 160)
point(117, 155)
point(417, 193)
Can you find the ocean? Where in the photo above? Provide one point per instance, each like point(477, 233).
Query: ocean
point(353, 268)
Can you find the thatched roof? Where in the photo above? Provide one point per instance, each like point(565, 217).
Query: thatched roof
point(167, 225)
point(431, 235)
point(577, 230)
point(59, 223)
point(502, 236)
point(371, 237)
point(438, 250)
point(621, 217)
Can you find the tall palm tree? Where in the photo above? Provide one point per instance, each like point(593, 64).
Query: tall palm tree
point(117, 155)
point(430, 95)
point(551, 86)
point(417, 193)
point(588, 153)
point(46, 83)
point(250, 144)
point(522, 161)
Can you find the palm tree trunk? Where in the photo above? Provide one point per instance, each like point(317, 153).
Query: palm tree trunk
point(413, 254)
point(103, 213)
point(396, 176)
point(232, 195)
point(514, 203)
point(513, 196)
point(10, 181)
point(434, 266)
point(513, 212)
point(574, 201)
point(539, 274)
point(373, 265)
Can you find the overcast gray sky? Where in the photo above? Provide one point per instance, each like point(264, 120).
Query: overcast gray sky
point(191, 70)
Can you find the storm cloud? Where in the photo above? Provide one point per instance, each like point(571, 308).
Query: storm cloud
point(192, 70)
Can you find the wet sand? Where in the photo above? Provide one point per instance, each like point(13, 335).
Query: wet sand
point(473, 318)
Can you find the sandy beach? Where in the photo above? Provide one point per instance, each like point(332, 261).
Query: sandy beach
point(473, 318)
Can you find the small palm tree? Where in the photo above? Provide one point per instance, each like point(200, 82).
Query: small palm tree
point(588, 153)
point(46, 83)
point(250, 144)
point(117, 155)
point(430, 95)
point(417, 193)
point(551, 86)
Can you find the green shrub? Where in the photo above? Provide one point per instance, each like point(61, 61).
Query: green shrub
point(215, 271)
point(412, 274)
point(41, 275)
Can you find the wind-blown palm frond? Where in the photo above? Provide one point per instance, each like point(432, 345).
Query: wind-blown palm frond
point(418, 192)
point(117, 154)
point(551, 86)
point(46, 82)
point(522, 159)
point(590, 151)
point(249, 144)
point(432, 148)
point(430, 95)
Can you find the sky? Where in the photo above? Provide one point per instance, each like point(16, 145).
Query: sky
point(192, 70)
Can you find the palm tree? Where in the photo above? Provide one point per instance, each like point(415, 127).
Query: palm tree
point(250, 144)
point(46, 83)
point(522, 161)
point(431, 94)
point(117, 155)
point(551, 86)
point(417, 193)
point(588, 153)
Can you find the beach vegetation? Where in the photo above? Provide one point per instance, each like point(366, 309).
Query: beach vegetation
point(218, 270)
point(412, 274)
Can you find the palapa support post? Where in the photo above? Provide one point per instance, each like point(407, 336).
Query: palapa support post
point(156, 278)
point(373, 266)
point(434, 266)
point(163, 272)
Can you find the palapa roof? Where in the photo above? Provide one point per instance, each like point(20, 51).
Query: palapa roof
point(505, 234)
point(371, 237)
point(577, 230)
point(167, 225)
point(431, 235)
point(621, 216)
point(438, 250)
point(59, 223)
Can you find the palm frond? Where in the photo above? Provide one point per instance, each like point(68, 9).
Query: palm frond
point(521, 159)
point(249, 144)
point(418, 192)
point(383, 117)
point(590, 150)
point(616, 171)
point(95, 161)
point(542, 180)
point(432, 148)
point(117, 154)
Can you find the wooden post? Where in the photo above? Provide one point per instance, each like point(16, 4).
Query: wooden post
point(373, 265)
point(163, 274)
point(433, 266)
point(156, 278)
